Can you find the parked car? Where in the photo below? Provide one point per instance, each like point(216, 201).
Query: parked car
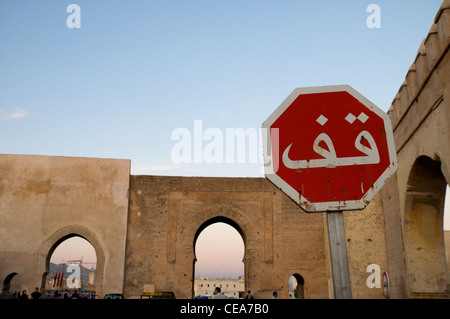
point(114, 296)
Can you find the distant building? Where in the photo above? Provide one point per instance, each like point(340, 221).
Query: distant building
point(232, 288)
point(92, 277)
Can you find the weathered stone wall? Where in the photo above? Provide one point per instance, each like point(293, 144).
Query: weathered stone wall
point(366, 245)
point(420, 115)
point(44, 199)
point(166, 214)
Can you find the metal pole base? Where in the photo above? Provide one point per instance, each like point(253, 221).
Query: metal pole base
point(338, 253)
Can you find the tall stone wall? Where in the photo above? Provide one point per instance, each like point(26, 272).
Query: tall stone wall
point(420, 115)
point(44, 199)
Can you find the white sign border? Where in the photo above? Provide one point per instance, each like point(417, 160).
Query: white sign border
point(334, 205)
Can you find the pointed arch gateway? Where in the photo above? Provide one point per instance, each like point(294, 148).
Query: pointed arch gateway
point(60, 236)
point(206, 224)
point(296, 287)
point(8, 282)
point(426, 266)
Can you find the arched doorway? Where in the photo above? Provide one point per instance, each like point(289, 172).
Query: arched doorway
point(296, 287)
point(71, 265)
point(12, 283)
point(426, 264)
point(219, 250)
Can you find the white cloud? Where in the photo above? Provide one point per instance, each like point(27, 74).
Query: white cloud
point(17, 113)
point(12, 114)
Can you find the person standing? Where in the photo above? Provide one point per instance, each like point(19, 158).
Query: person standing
point(249, 295)
point(24, 295)
point(217, 294)
point(36, 294)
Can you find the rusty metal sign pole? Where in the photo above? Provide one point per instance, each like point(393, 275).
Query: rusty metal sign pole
point(338, 253)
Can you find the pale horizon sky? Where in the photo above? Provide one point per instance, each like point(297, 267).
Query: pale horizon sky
point(136, 71)
point(75, 248)
point(219, 251)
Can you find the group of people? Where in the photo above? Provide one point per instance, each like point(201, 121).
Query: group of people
point(70, 294)
point(67, 294)
point(5, 294)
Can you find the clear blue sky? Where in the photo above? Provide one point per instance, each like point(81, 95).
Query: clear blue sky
point(136, 70)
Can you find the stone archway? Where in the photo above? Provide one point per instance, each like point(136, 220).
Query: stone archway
point(209, 222)
point(424, 245)
point(207, 212)
point(298, 288)
point(47, 249)
point(8, 282)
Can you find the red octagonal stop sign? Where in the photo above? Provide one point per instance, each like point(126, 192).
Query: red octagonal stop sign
point(329, 148)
